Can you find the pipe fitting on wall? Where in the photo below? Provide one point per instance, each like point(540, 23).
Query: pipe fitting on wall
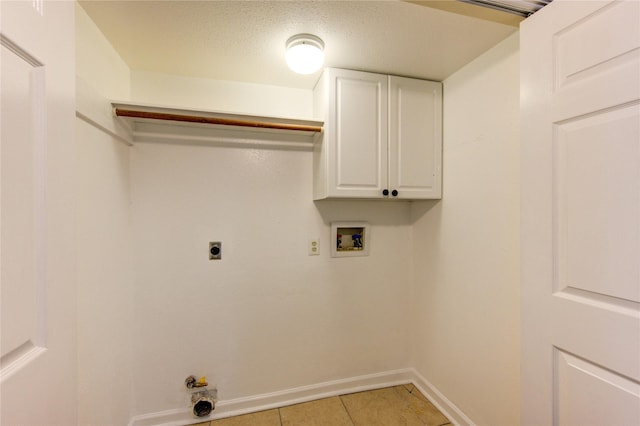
point(202, 403)
point(203, 400)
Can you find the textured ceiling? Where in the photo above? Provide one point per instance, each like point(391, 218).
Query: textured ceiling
point(244, 40)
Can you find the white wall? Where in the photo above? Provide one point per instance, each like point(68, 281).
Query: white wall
point(105, 279)
point(97, 62)
point(223, 96)
point(104, 268)
point(466, 247)
point(267, 317)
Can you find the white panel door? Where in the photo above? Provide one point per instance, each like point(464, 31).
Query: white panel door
point(415, 138)
point(37, 280)
point(580, 98)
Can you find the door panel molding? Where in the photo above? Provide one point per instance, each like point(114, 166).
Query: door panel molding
point(23, 200)
point(580, 383)
point(572, 63)
point(596, 209)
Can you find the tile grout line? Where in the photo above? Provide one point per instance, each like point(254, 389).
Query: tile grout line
point(280, 416)
point(346, 409)
point(400, 390)
point(412, 395)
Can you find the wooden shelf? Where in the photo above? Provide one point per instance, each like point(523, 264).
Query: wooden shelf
point(147, 123)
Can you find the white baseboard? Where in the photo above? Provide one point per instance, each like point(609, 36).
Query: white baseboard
point(235, 407)
point(446, 407)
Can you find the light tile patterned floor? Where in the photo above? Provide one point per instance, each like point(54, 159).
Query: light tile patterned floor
point(393, 406)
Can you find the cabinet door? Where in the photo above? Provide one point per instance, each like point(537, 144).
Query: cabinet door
point(358, 136)
point(415, 138)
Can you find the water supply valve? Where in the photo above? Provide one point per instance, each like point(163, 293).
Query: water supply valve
point(203, 400)
point(190, 382)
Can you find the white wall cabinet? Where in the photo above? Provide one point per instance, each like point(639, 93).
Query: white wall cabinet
point(382, 136)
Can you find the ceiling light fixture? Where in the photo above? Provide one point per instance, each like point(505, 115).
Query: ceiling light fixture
point(305, 53)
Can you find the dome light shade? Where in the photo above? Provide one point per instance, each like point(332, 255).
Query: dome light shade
point(304, 53)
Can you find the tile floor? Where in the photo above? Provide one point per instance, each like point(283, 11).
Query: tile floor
point(392, 406)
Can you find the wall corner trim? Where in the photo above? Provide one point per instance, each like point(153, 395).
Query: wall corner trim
point(96, 110)
point(442, 403)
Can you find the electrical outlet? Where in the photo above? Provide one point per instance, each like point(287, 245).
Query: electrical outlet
point(215, 250)
point(314, 247)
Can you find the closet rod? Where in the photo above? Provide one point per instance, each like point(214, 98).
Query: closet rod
point(120, 112)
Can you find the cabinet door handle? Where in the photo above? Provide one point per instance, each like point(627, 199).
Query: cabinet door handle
point(385, 192)
point(394, 193)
